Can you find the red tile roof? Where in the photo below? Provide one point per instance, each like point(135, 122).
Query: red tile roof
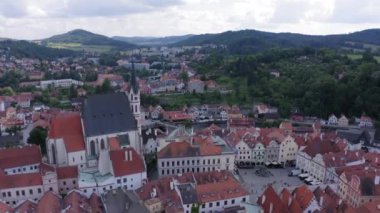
point(270, 200)
point(67, 172)
point(69, 127)
point(303, 195)
point(125, 166)
point(49, 202)
point(220, 190)
point(20, 180)
point(26, 207)
point(4, 208)
point(19, 156)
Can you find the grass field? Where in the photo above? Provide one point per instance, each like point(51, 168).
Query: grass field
point(359, 56)
point(81, 47)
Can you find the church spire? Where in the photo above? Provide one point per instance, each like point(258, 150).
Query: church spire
point(133, 81)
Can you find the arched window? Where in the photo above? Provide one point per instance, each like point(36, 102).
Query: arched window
point(135, 108)
point(92, 148)
point(54, 153)
point(102, 146)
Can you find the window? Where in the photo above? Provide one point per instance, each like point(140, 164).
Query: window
point(217, 203)
point(225, 202)
point(17, 193)
point(9, 194)
point(39, 190)
point(163, 164)
point(232, 201)
point(24, 169)
point(118, 181)
point(125, 179)
point(74, 182)
point(4, 194)
point(23, 192)
point(243, 199)
point(64, 182)
point(210, 204)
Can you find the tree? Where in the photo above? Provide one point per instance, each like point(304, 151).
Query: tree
point(106, 86)
point(38, 137)
point(184, 77)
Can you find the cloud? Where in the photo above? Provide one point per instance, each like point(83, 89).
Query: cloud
point(33, 19)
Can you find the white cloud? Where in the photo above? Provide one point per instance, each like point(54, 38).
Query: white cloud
point(34, 19)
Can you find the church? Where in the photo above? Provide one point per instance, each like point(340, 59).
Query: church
point(106, 122)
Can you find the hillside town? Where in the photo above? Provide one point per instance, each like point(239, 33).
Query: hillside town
point(77, 137)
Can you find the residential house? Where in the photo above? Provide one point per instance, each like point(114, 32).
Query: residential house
point(333, 120)
point(343, 121)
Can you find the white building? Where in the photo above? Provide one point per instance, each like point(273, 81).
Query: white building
point(181, 157)
point(64, 83)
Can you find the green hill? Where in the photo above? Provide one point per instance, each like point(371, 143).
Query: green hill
point(81, 40)
point(29, 49)
point(250, 41)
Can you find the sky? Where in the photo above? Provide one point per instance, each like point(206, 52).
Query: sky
point(36, 19)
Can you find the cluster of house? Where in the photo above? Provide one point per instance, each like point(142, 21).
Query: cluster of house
point(303, 199)
point(206, 113)
point(188, 192)
point(364, 121)
point(91, 152)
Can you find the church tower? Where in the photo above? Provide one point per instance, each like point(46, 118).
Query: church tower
point(134, 96)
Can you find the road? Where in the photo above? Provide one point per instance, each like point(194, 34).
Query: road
point(25, 133)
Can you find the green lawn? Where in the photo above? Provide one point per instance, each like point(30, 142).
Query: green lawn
point(81, 47)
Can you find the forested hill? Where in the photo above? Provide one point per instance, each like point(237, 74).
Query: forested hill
point(29, 49)
point(74, 38)
point(318, 82)
point(251, 41)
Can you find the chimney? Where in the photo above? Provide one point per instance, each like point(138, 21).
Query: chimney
point(321, 201)
point(271, 208)
point(130, 155)
point(126, 156)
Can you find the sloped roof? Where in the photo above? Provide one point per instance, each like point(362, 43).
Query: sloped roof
point(106, 114)
point(67, 172)
point(123, 166)
point(20, 180)
point(69, 127)
point(49, 202)
point(19, 156)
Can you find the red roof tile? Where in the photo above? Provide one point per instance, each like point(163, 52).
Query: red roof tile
point(123, 164)
point(20, 180)
point(67, 172)
point(26, 207)
point(303, 195)
point(19, 156)
point(69, 127)
point(4, 208)
point(49, 202)
point(270, 200)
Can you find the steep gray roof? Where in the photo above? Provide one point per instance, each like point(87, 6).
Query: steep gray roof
point(106, 114)
point(188, 193)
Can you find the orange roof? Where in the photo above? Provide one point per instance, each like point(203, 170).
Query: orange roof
point(220, 191)
point(67, 172)
point(303, 195)
point(269, 199)
point(20, 180)
point(49, 202)
point(19, 156)
point(294, 207)
point(69, 127)
point(125, 166)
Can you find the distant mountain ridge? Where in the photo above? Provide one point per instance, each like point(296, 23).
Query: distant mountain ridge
point(244, 41)
point(152, 41)
point(81, 39)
